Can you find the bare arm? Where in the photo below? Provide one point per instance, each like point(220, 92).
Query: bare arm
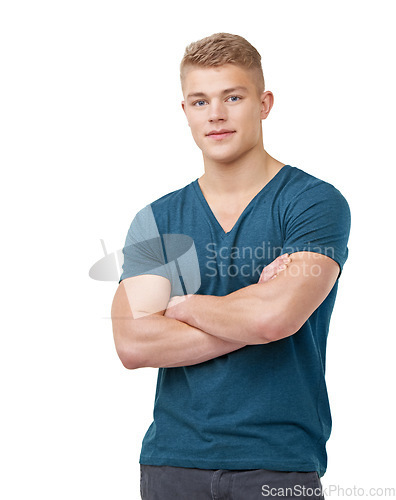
point(144, 338)
point(260, 313)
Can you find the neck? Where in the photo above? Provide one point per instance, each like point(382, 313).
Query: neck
point(241, 178)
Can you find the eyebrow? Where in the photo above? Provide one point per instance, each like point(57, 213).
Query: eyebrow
point(226, 91)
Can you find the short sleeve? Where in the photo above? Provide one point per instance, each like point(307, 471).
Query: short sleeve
point(148, 251)
point(143, 251)
point(318, 220)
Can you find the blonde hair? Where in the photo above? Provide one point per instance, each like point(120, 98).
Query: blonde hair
point(223, 48)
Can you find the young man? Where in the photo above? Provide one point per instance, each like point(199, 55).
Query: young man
point(228, 286)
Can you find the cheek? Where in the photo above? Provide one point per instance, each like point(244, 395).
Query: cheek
point(250, 127)
point(195, 124)
point(196, 132)
point(197, 135)
point(252, 124)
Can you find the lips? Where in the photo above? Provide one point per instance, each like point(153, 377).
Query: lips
point(220, 134)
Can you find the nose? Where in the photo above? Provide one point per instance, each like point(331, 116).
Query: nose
point(217, 111)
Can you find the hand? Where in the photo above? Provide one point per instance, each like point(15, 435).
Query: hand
point(272, 270)
point(175, 306)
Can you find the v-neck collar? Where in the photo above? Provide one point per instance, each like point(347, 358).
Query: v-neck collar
point(211, 216)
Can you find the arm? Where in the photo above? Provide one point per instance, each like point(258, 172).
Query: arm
point(262, 313)
point(144, 337)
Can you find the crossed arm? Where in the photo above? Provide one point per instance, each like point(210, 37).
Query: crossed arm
point(150, 330)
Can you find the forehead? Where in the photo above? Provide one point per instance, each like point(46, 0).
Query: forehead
point(213, 80)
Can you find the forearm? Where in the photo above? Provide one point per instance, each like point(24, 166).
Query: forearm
point(233, 317)
point(157, 341)
point(247, 315)
point(266, 311)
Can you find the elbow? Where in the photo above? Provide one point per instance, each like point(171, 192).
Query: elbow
point(127, 350)
point(275, 327)
point(129, 360)
point(264, 331)
point(129, 357)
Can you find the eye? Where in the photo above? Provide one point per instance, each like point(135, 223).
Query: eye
point(234, 98)
point(197, 103)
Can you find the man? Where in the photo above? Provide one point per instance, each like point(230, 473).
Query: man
point(228, 286)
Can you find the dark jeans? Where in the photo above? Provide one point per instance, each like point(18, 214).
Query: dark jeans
point(180, 483)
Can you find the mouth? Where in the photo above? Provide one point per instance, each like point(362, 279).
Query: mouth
point(218, 135)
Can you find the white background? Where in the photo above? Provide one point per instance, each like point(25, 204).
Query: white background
point(91, 131)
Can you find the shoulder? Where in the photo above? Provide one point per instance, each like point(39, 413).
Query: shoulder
point(173, 198)
point(147, 218)
point(302, 189)
point(298, 181)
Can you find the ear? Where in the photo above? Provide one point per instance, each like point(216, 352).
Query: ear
point(183, 104)
point(267, 101)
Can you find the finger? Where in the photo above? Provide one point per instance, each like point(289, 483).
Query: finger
point(277, 265)
point(175, 300)
point(267, 273)
point(279, 262)
point(284, 258)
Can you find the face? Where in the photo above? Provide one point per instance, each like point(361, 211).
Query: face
point(224, 111)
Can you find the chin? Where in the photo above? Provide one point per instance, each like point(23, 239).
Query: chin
point(223, 158)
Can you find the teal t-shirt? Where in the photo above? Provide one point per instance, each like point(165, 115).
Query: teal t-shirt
point(263, 406)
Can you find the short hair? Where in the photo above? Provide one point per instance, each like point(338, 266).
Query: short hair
point(223, 48)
